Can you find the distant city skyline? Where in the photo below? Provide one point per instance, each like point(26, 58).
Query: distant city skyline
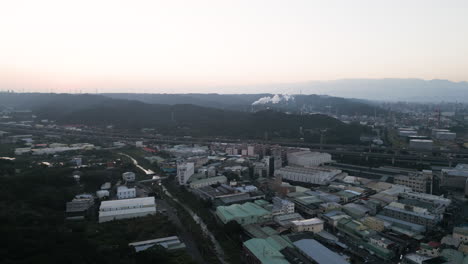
point(226, 46)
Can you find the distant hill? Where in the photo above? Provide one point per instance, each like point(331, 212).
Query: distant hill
point(184, 119)
point(410, 90)
point(256, 102)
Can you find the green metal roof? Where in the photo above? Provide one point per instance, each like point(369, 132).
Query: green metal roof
point(234, 211)
point(265, 251)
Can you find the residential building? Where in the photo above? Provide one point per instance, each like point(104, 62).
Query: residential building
point(412, 214)
point(184, 172)
point(314, 225)
point(128, 176)
point(169, 243)
point(208, 181)
point(418, 182)
point(285, 220)
point(123, 192)
point(281, 206)
point(263, 251)
point(243, 214)
point(128, 208)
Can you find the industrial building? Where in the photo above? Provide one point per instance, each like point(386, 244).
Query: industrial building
point(314, 175)
point(263, 251)
point(318, 253)
point(78, 208)
point(243, 214)
point(455, 177)
point(446, 136)
point(184, 172)
point(208, 181)
point(308, 159)
point(128, 208)
point(421, 144)
point(169, 243)
point(413, 214)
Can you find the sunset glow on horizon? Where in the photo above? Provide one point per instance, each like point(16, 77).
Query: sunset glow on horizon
point(216, 46)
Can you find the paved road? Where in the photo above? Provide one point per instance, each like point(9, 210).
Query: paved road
point(184, 234)
point(218, 249)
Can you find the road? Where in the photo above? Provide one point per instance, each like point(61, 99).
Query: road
point(218, 249)
point(135, 162)
point(185, 234)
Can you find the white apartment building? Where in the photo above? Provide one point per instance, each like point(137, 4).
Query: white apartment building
point(125, 193)
point(314, 175)
point(129, 208)
point(128, 176)
point(281, 206)
point(184, 172)
point(308, 159)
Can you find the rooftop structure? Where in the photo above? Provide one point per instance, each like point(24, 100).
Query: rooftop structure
point(169, 243)
point(263, 251)
point(285, 220)
point(128, 208)
point(247, 213)
point(439, 200)
point(308, 159)
point(314, 225)
point(128, 176)
point(207, 182)
point(314, 175)
point(318, 253)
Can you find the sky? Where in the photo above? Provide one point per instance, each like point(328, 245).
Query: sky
point(225, 46)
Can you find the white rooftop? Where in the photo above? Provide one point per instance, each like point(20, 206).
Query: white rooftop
point(146, 201)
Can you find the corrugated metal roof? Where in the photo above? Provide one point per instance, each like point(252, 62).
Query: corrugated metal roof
point(318, 252)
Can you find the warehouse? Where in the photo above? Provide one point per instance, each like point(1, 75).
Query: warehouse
point(307, 158)
point(128, 208)
point(314, 175)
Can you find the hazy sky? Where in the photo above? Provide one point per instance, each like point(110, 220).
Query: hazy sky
point(199, 45)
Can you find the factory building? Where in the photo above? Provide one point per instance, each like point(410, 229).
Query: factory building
point(208, 181)
point(128, 208)
point(128, 176)
point(123, 192)
point(412, 214)
point(421, 144)
point(314, 175)
point(446, 136)
point(308, 159)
